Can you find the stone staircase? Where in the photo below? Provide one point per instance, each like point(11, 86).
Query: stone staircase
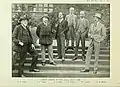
point(68, 68)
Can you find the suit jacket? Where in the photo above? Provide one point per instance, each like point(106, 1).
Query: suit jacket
point(71, 19)
point(45, 34)
point(82, 25)
point(21, 34)
point(62, 27)
point(97, 33)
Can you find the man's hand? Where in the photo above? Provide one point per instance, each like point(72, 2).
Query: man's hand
point(56, 25)
point(84, 33)
point(33, 47)
point(61, 33)
point(91, 36)
point(21, 43)
point(97, 38)
point(54, 31)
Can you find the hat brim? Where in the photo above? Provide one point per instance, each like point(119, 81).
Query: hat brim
point(45, 17)
point(24, 19)
point(97, 17)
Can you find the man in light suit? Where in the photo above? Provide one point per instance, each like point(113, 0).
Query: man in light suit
point(82, 30)
point(97, 34)
point(71, 19)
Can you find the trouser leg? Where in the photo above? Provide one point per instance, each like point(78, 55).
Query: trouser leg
point(97, 51)
point(68, 38)
point(22, 59)
point(88, 56)
point(77, 43)
point(72, 36)
point(62, 42)
point(58, 46)
point(43, 53)
point(15, 55)
point(35, 55)
point(67, 43)
point(50, 52)
point(83, 44)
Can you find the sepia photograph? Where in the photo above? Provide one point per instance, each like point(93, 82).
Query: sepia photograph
point(60, 40)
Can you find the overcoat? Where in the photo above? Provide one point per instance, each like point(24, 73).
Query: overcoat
point(21, 34)
point(45, 34)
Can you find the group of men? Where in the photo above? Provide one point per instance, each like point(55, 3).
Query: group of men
point(65, 29)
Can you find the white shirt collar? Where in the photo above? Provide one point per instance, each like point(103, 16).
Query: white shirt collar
point(45, 23)
point(23, 26)
point(61, 20)
point(71, 14)
point(98, 22)
point(82, 18)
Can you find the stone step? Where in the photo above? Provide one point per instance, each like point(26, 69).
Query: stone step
point(72, 52)
point(55, 47)
point(70, 56)
point(63, 74)
point(65, 67)
point(69, 61)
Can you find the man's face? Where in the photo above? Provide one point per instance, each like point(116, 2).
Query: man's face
point(45, 20)
point(72, 11)
point(60, 15)
point(82, 14)
point(24, 22)
point(96, 19)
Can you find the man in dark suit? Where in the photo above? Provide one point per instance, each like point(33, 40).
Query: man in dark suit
point(62, 26)
point(45, 34)
point(23, 43)
point(82, 30)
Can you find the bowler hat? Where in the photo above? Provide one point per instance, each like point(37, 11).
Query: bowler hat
point(23, 18)
point(98, 15)
point(45, 17)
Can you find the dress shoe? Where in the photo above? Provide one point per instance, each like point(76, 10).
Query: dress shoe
point(95, 72)
point(52, 63)
point(43, 63)
point(72, 48)
point(21, 76)
point(58, 57)
point(34, 70)
point(75, 58)
point(85, 70)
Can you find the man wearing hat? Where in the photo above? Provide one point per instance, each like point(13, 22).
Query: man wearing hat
point(97, 34)
point(82, 30)
point(23, 43)
point(45, 33)
point(71, 19)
